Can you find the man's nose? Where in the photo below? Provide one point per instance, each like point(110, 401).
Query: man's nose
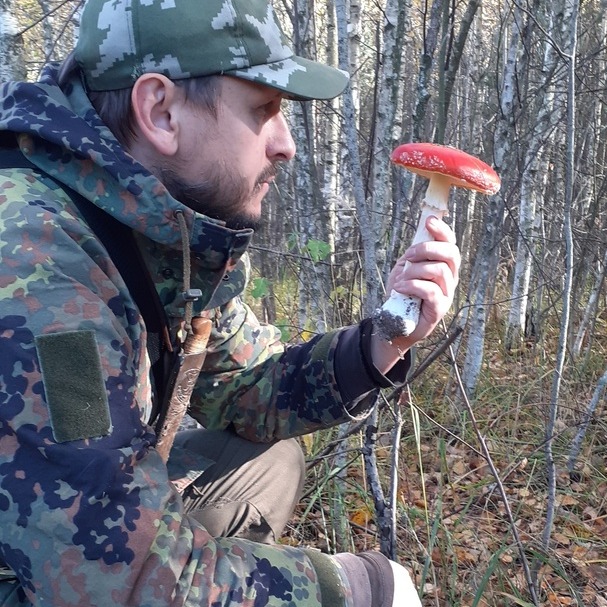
point(281, 146)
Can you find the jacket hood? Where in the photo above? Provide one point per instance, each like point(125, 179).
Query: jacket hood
point(59, 131)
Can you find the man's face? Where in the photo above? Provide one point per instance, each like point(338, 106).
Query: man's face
point(226, 162)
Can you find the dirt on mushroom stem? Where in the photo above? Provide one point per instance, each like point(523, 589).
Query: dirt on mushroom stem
point(389, 326)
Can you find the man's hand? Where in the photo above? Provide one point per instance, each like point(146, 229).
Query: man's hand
point(430, 271)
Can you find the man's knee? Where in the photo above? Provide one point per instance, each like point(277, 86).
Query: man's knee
point(279, 474)
point(288, 455)
point(252, 488)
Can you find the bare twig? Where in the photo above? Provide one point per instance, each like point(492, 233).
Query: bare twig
point(383, 513)
point(350, 429)
point(46, 15)
point(393, 494)
point(571, 19)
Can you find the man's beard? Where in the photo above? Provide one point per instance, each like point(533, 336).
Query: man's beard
point(223, 195)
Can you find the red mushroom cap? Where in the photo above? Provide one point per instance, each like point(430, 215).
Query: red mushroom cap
point(463, 170)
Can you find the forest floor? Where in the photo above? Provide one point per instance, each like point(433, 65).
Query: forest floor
point(452, 527)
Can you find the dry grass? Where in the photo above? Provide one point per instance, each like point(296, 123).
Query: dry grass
point(452, 529)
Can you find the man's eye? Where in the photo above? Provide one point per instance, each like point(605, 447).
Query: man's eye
point(267, 110)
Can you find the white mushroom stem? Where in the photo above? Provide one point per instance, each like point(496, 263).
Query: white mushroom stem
point(400, 313)
point(435, 203)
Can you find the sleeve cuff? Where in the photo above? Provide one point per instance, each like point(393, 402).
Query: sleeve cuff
point(355, 372)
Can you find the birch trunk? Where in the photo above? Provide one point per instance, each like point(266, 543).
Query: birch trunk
point(483, 273)
point(547, 117)
point(451, 66)
point(48, 31)
point(329, 143)
point(350, 122)
point(426, 62)
point(354, 10)
point(465, 203)
point(386, 131)
point(314, 280)
point(590, 310)
point(406, 209)
point(12, 57)
point(593, 211)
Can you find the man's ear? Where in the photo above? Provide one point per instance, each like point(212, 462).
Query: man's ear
point(155, 104)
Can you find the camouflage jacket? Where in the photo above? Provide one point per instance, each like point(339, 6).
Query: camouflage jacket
point(88, 513)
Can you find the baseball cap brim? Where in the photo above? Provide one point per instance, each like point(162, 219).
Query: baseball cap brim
point(299, 78)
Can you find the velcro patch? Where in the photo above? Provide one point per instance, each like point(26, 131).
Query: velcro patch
point(74, 386)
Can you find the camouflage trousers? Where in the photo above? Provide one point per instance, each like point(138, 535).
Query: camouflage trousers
point(251, 489)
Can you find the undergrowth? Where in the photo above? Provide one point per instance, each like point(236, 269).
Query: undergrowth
point(452, 530)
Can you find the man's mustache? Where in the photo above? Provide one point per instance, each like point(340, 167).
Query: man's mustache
point(266, 175)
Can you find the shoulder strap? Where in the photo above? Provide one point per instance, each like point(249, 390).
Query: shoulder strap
point(122, 248)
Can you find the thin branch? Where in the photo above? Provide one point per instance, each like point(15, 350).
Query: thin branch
point(436, 353)
point(581, 433)
point(502, 490)
point(383, 512)
point(46, 15)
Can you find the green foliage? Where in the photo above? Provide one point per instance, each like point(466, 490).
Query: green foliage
point(318, 250)
point(260, 287)
point(286, 334)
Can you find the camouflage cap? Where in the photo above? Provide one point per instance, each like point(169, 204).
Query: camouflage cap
point(120, 40)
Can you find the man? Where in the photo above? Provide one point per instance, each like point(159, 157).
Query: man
point(168, 120)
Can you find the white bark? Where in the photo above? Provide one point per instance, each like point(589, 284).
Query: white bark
point(354, 10)
point(567, 18)
point(354, 164)
point(591, 307)
point(425, 67)
point(313, 224)
point(48, 32)
point(576, 445)
point(481, 283)
point(12, 58)
point(386, 131)
point(330, 140)
point(547, 116)
point(591, 208)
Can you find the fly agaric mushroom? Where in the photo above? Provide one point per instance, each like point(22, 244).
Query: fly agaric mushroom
point(444, 166)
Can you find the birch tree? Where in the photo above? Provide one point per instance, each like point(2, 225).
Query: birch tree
point(386, 129)
point(450, 63)
point(547, 115)
point(48, 29)
point(329, 141)
point(430, 28)
point(591, 308)
point(567, 19)
point(487, 257)
point(350, 122)
point(592, 121)
point(313, 225)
